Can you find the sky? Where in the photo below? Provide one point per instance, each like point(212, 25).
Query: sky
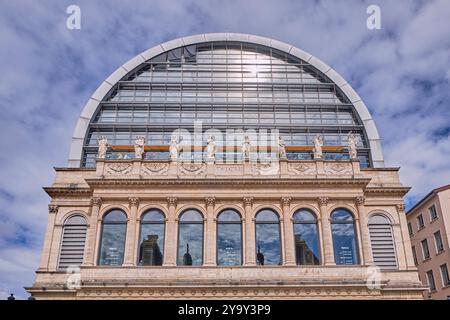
point(48, 72)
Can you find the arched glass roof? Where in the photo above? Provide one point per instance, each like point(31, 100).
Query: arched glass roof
point(227, 81)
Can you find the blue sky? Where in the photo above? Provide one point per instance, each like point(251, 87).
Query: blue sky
point(48, 72)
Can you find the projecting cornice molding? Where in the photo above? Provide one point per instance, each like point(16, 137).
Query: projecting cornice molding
point(386, 191)
point(68, 191)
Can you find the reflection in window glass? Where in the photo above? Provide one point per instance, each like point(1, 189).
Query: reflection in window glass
point(190, 239)
point(344, 238)
point(268, 241)
point(151, 244)
point(112, 246)
point(306, 238)
point(229, 239)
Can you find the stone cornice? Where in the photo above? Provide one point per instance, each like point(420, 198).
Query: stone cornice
point(67, 191)
point(387, 191)
point(336, 182)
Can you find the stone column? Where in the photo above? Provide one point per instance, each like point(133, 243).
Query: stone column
point(89, 254)
point(210, 244)
point(366, 258)
point(328, 251)
point(170, 246)
point(45, 257)
point(250, 239)
point(288, 234)
point(408, 261)
point(130, 241)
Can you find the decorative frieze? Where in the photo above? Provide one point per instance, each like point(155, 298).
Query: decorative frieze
point(116, 168)
point(154, 168)
point(191, 168)
point(337, 167)
point(302, 168)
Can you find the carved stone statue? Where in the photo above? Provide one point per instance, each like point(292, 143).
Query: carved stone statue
point(318, 143)
point(246, 148)
point(102, 147)
point(211, 148)
point(139, 147)
point(174, 148)
point(281, 148)
point(352, 143)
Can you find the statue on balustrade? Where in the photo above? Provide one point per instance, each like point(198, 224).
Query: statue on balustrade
point(174, 147)
point(281, 148)
point(352, 143)
point(139, 147)
point(211, 148)
point(102, 147)
point(318, 144)
point(246, 148)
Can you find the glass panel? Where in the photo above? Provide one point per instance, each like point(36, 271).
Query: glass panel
point(112, 246)
point(306, 244)
point(229, 215)
point(191, 215)
point(190, 244)
point(268, 244)
point(151, 248)
point(75, 220)
point(229, 247)
point(115, 216)
point(153, 215)
point(344, 243)
point(266, 215)
point(304, 216)
point(341, 215)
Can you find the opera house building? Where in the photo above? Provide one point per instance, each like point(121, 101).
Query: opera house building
point(226, 166)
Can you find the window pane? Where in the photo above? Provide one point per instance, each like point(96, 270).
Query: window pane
point(112, 244)
point(268, 244)
point(344, 243)
point(266, 215)
point(306, 244)
point(115, 216)
point(229, 215)
point(229, 247)
point(151, 248)
point(341, 215)
point(304, 216)
point(191, 215)
point(190, 244)
point(153, 215)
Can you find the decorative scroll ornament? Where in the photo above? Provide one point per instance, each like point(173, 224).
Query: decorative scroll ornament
point(285, 201)
point(337, 167)
point(323, 201)
point(172, 201)
point(192, 168)
point(102, 147)
point(133, 202)
point(318, 144)
point(248, 201)
point(154, 168)
point(302, 168)
point(118, 168)
point(210, 201)
point(52, 208)
point(360, 200)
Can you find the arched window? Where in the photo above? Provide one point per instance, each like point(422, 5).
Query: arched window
point(190, 238)
point(344, 237)
point(382, 242)
point(112, 244)
point(306, 238)
point(229, 238)
point(151, 244)
point(73, 240)
point(268, 241)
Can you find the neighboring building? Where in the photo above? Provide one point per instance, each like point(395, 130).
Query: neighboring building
point(252, 216)
point(429, 228)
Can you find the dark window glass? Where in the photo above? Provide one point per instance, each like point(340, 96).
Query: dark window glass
point(344, 237)
point(410, 230)
point(229, 238)
point(112, 246)
point(306, 238)
point(445, 276)
point(438, 240)
point(151, 244)
point(190, 239)
point(414, 255)
point(433, 212)
point(425, 249)
point(430, 278)
point(268, 241)
point(420, 223)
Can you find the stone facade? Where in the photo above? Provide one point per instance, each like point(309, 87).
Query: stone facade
point(135, 186)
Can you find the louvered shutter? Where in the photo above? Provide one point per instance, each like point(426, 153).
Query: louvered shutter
point(382, 241)
point(73, 240)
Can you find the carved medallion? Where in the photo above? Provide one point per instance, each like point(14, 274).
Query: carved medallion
point(337, 167)
point(302, 168)
point(192, 168)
